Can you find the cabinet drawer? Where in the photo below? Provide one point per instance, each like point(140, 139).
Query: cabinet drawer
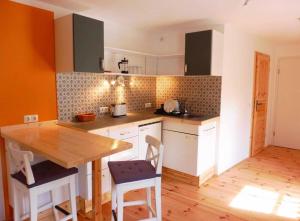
point(181, 127)
point(124, 132)
point(127, 154)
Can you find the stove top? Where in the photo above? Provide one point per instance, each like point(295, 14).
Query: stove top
point(176, 114)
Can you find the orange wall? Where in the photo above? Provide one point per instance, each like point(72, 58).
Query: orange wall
point(27, 68)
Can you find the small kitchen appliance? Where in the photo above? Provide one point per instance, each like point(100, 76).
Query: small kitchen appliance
point(123, 66)
point(118, 110)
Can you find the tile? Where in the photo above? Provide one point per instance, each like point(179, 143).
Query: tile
point(86, 92)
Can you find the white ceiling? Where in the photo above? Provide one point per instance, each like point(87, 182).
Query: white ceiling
point(273, 19)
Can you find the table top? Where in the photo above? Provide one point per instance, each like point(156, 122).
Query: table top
point(64, 146)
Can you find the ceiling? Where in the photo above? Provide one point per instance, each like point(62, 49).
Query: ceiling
point(276, 20)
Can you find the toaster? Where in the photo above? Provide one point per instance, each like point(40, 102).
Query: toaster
point(118, 110)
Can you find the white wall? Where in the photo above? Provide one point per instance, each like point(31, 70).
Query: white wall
point(236, 98)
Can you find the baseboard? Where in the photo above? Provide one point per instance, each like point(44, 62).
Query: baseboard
point(187, 178)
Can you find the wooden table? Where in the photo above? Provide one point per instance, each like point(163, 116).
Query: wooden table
point(68, 148)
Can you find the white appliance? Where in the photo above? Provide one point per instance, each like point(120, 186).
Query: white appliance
point(190, 149)
point(153, 129)
point(118, 110)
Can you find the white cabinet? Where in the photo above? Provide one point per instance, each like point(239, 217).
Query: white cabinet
point(123, 132)
point(189, 148)
point(170, 65)
point(151, 65)
point(153, 129)
point(128, 133)
point(129, 154)
point(180, 152)
point(206, 148)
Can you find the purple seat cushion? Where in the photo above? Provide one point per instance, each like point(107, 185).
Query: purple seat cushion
point(45, 172)
point(129, 171)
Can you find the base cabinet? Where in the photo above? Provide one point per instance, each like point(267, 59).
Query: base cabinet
point(190, 149)
point(128, 134)
point(181, 152)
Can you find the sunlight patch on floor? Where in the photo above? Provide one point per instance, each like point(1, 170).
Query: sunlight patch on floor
point(255, 199)
point(259, 200)
point(289, 207)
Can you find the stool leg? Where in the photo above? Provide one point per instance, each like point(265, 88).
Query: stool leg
point(73, 197)
point(149, 201)
point(113, 199)
point(54, 202)
point(33, 206)
point(120, 203)
point(16, 203)
point(158, 198)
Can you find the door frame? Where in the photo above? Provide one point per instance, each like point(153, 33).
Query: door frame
point(254, 98)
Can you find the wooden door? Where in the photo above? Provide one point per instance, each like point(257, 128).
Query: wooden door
point(260, 99)
point(287, 117)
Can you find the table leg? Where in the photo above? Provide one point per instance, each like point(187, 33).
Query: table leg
point(97, 195)
point(7, 208)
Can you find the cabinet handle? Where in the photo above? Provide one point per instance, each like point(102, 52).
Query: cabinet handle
point(209, 129)
point(185, 68)
point(144, 129)
point(124, 133)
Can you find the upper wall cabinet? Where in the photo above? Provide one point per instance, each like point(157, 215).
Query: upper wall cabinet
point(79, 44)
point(203, 53)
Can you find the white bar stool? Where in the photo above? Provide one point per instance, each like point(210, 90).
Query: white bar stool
point(34, 180)
point(138, 174)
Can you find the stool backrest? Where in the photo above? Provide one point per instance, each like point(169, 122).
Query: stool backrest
point(21, 161)
point(155, 153)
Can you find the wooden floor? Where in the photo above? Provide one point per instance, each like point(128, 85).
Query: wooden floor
point(266, 187)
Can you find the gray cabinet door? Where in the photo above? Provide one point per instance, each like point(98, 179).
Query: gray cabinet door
point(88, 44)
point(198, 51)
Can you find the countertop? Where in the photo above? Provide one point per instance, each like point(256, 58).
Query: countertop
point(64, 146)
point(138, 117)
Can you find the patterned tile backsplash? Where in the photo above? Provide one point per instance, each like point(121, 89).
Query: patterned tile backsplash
point(86, 92)
point(202, 94)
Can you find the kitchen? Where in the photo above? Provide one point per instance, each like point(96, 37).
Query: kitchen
point(100, 83)
point(94, 76)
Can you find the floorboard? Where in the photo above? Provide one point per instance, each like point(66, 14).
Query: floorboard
point(265, 187)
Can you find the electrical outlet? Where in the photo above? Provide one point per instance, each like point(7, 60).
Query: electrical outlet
point(103, 110)
point(148, 105)
point(31, 118)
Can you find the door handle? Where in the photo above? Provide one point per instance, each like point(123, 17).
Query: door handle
point(258, 103)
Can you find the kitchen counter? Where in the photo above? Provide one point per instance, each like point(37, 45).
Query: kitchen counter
point(138, 117)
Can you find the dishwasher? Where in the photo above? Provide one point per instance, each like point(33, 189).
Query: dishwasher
point(152, 129)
